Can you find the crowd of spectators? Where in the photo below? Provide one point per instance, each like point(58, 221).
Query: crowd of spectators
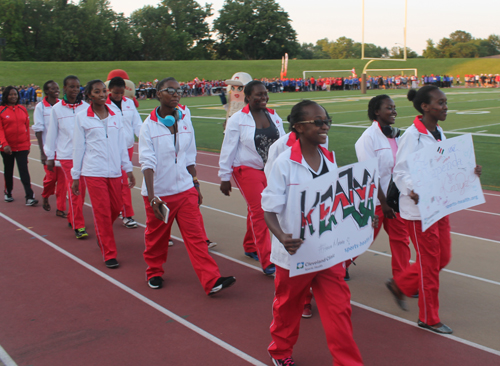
point(29, 95)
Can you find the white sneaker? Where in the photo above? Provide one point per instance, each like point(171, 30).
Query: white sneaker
point(129, 222)
point(170, 243)
point(31, 202)
point(211, 244)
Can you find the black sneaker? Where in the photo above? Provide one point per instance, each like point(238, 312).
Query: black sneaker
point(222, 283)
point(31, 202)
point(8, 197)
point(252, 255)
point(283, 362)
point(155, 282)
point(112, 263)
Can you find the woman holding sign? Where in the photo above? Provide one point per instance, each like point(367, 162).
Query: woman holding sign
point(305, 160)
point(433, 246)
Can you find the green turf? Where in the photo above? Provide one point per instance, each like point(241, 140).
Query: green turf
point(38, 72)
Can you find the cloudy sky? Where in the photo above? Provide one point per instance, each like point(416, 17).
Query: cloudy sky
point(384, 19)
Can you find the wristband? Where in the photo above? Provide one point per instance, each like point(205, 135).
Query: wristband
point(196, 184)
point(195, 179)
point(153, 200)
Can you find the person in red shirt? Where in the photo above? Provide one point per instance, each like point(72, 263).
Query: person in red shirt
point(15, 143)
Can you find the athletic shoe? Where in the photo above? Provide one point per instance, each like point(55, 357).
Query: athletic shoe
point(31, 202)
point(438, 328)
point(211, 244)
point(81, 233)
point(8, 197)
point(252, 255)
point(269, 270)
point(129, 222)
point(222, 283)
point(307, 312)
point(283, 362)
point(155, 282)
point(112, 263)
point(170, 242)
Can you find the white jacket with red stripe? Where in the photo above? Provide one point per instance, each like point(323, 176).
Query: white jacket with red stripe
point(131, 119)
point(157, 152)
point(238, 147)
point(99, 148)
point(41, 117)
point(416, 137)
point(288, 169)
point(59, 137)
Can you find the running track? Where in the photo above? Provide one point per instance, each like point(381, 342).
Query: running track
point(62, 306)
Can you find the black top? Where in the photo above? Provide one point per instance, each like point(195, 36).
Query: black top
point(265, 137)
point(324, 168)
point(118, 104)
point(436, 134)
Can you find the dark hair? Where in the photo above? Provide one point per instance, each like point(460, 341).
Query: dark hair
point(374, 105)
point(249, 87)
point(68, 78)
point(116, 81)
point(46, 85)
point(160, 84)
point(89, 86)
point(5, 95)
point(297, 113)
point(421, 96)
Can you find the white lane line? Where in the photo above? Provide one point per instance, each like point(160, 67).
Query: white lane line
point(5, 358)
point(444, 270)
point(484, 212)
point(140, 297)
point(491, 194)
point(413, 324)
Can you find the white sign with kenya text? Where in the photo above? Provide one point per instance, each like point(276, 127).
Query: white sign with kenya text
point(443, 177)
point(335, 218)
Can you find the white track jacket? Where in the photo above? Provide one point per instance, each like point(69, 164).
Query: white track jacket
point(157, 152)
point(238, 147)
point(374, 144)
point(59, 137)
point(415, 138)
point(99, 146)
point(41, 118)
point(131, 119)
point(288, 169)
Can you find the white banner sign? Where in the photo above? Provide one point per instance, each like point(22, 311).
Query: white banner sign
point(336, 216)
point(443, 176)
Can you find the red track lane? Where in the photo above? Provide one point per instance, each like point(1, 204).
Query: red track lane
point(57, 312)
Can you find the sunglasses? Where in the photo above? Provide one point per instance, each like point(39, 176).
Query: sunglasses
point(172, 91)
point(319, 122)
point(236, 88)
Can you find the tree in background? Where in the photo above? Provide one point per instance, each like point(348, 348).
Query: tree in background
point(461, 44)
point(399, 52)
point(344, 48)
point(254, 30)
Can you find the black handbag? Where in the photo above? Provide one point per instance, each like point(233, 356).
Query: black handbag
point(392, 196)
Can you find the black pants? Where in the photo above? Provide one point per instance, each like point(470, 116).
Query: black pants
point(22, 166)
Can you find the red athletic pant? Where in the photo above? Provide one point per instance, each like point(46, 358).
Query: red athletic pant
point(75, 211)
point(251, 183)
point(399, 240)
point(184, 208)
point(248, 240)
point(333, 299)
point(433, 249)
point(127, 210)
point(54, 182)
point(105, 196)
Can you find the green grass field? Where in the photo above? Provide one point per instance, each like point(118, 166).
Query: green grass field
point(348, 111)
point(16, 73)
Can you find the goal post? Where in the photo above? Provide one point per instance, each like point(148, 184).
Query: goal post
point(321, 73)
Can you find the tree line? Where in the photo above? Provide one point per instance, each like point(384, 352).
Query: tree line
point(89, 30)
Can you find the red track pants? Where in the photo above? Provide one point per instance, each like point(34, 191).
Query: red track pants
point(75, 211)
point(185, 210)
point(127, 210)
point(105, 196)
point(333, 299)
point(251, 183)
point(433, 249)
point(55, 182)
point(399, 240)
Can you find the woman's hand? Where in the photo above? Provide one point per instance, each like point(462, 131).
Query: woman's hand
point(131, 180)
point(50, 165)
point(75, 187)
point(291, 245)
point(414, 197)
point(225, 187)
point(478, 170)
point(200, 196)
point(7, 150)
point(388, 211)
point(156, 204)
point(375, 221)
point(43, 157)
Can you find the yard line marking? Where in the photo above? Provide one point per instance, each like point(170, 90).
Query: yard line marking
point(140, 297)
point(469, 128)
point(5, 358)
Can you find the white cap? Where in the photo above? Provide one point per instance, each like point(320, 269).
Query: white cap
point(240, 79)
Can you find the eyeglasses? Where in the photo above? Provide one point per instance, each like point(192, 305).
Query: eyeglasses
point(236, 88)
point(319, 122)
point(172, 91)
